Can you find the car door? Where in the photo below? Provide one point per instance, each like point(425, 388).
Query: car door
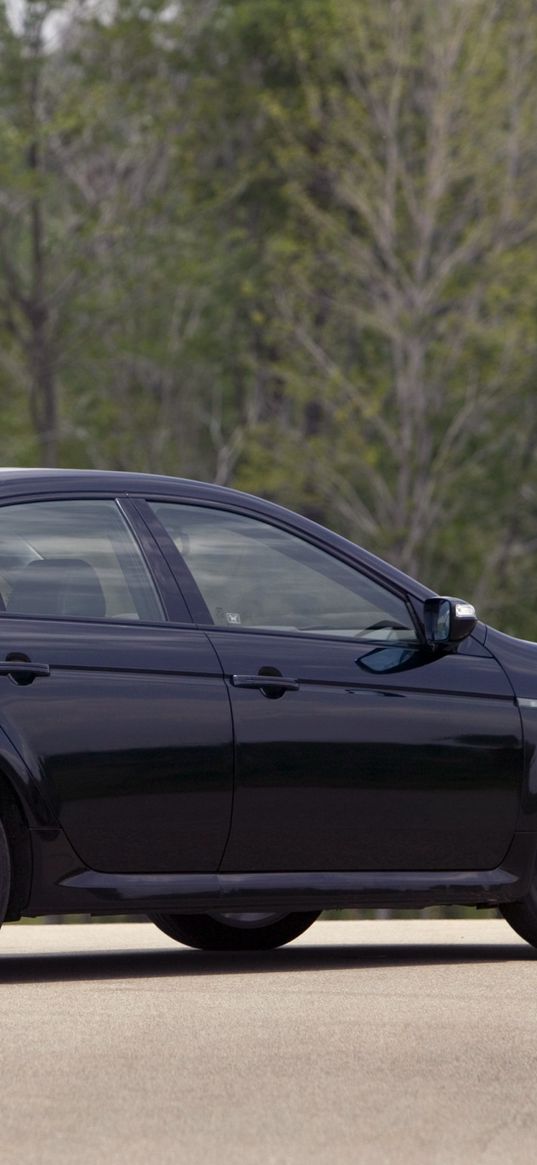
point(357, 747)
point(123, 718)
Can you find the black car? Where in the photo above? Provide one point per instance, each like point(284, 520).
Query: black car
point(222, 715)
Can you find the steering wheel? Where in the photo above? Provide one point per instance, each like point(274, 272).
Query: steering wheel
point(381, 626)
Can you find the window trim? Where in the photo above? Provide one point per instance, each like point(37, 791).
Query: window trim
point(196, 602)
point(183, 578)
point(173, 602)
point(169, 596)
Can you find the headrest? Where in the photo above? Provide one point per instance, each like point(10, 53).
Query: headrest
point(58, 586)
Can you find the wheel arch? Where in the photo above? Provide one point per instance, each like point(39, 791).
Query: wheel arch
point(21, 808)
point(17, 832)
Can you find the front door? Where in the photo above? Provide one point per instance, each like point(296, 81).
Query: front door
point(130, 732)
point(371, 753)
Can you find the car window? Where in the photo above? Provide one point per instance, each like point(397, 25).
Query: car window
point(252, 574)
point(73, 559)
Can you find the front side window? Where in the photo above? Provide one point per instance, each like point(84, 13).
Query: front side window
point(252, 574)
point(73, 559)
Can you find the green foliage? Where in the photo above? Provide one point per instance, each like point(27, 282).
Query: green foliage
point(289, 247)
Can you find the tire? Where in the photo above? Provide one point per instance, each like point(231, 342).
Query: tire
point(522, 916)
point(235, 930)
point(5, 873)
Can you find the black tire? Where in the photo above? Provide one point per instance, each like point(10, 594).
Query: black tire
point(234, 931)
point(5, 873)
point(522, 916)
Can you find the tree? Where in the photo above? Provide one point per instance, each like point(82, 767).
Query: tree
point(288, 247)
point(396, 159)
point(28, 285)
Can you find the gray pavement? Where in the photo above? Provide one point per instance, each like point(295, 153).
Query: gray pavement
point(389, 1041)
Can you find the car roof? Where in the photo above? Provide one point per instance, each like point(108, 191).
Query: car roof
point(30, 480)
point(21, 481)
point(41, 474)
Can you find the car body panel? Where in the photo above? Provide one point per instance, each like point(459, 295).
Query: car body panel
point(385, 779)
point(420, 769)
point(25, 784)
point(129, 740)
point(518, 657)
point(62, 884)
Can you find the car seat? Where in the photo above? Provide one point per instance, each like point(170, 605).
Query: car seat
point(64, 587)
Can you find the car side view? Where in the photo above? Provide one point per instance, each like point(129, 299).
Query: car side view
point(220, 714)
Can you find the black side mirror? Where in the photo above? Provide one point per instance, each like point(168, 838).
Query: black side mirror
point(447, 621)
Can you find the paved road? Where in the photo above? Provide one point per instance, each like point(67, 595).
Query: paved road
point(369, 1042)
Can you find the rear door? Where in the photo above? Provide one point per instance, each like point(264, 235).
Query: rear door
point(123, 718)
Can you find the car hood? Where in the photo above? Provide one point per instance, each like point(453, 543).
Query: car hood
point(518, 657)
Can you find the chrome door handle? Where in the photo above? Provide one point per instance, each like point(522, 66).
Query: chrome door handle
point(270, 683)
point(23, 669)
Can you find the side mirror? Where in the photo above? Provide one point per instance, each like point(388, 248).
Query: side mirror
point(447, 621)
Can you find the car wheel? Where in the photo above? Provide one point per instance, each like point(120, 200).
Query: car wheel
point(5, 873)
point(232, 930)
point(522, 916)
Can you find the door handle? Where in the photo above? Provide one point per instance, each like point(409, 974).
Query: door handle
point(23, 670)
point(266, 684)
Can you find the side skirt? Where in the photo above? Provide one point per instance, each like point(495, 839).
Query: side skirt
point(62, 886)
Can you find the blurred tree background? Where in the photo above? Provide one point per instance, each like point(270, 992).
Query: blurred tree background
point(290, 247)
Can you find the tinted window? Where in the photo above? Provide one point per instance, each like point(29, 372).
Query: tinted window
point(252, 574)
point(73, 559)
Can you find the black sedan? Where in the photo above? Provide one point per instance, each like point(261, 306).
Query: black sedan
point(222, 715)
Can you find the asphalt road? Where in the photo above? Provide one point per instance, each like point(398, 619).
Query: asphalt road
point(360, 1042)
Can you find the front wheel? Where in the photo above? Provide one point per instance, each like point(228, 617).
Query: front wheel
point(5, 873)
point(233, 930)
point(522, 916)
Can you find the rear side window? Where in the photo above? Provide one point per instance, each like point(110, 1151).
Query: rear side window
point(73, 559)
